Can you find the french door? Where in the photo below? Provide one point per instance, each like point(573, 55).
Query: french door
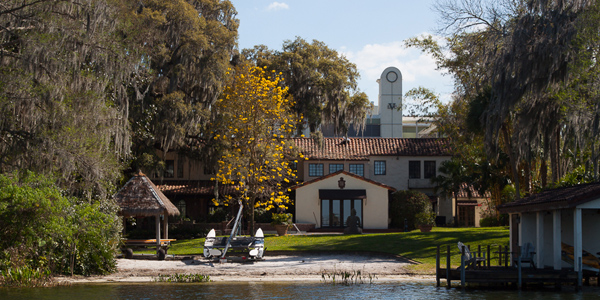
point(334, 212)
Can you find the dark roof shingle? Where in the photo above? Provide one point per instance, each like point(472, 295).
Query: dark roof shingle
point(566, 197)
point(195, 187)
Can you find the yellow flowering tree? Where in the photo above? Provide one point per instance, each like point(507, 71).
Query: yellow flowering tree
point(253, 126)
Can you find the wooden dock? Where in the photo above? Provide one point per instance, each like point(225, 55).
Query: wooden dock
point(499, 271)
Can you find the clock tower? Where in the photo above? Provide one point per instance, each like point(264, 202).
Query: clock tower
point(390, 102)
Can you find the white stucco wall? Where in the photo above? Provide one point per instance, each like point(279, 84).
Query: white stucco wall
point(396, 174)
point(375, 207)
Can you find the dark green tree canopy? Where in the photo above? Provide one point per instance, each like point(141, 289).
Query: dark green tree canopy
point(526, 73)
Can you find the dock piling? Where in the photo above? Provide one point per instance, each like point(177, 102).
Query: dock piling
point(437, 267)
point(462, 268)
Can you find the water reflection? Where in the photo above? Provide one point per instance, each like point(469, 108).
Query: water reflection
point(262, 290)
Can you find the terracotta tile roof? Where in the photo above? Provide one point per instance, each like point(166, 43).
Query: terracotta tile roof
point(194, 187)
point(140, 197)
point(362, 148)
point(566, 197)
point(345, 174)
point(464, 192)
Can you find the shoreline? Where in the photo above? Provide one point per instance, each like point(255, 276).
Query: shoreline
point(300, 267)
point(233, 278)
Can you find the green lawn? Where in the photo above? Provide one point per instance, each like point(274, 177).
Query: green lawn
point(415, 245)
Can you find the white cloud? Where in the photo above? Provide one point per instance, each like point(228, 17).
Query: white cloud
point(275, 6)
point(417, 68)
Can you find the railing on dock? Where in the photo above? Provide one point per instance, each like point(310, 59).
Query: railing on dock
point(497, 265)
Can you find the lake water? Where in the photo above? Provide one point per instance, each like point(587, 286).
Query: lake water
point(303, 290)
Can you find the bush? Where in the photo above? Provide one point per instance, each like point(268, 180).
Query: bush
point(425, 218)
point(501, 220)
point(220, 214)
point(282, 219)
point(262, 215)
point(45, 231)
point(406, 205)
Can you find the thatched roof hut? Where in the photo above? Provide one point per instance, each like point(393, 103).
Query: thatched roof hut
point(139, 197)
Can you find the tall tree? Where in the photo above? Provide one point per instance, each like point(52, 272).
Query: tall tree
point(530, 55)
point(188, 47)
point(253, 126)
point(321, 81)
point(64, 68)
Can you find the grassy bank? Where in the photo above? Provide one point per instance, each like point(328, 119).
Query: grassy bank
point(414, 245)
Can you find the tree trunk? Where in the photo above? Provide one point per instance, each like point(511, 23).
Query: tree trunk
point(544, 171)
point(513, 162)
point(456, 224)
point(554, 158)
point(251, 223)
point(594, 161)
point(527, 179)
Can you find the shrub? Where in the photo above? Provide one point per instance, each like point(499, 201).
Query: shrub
point(406, 205)
point(44, 232)
point(425, 218)
point(282, 219)
point(262, 215)
point(220, 214)
point(501, 220)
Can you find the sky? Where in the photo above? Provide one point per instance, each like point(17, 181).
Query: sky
point(368, 33)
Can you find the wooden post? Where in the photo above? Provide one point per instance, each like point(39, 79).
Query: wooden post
point(462, 267)
point(448, 267)
point(500, 255)
point(519, 282)
point(489, 256)
point(166, 226)
point(479, 251)
point(579, 273)
point(506, 257)
point(437, 267)
point(157, 232)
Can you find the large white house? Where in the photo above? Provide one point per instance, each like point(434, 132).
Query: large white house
point(392, 154)
point(343, 174)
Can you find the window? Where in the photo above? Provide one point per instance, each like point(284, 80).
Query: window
point(429, 168)
point(414, 169)
point(358, 169)
point(409, 132)
point(315, 170)
point(180, 167)
point(169, 169)
point(335, 167)
point(181, 206)
point(209, 171)
point(379, 167)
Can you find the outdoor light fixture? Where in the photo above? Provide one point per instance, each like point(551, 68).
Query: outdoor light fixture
point(342, 183)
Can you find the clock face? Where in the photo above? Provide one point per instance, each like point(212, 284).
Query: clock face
point(391, 76)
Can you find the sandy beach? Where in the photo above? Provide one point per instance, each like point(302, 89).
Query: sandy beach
point(274, 267)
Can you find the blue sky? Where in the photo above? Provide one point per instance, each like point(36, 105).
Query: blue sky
point(369, 33)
